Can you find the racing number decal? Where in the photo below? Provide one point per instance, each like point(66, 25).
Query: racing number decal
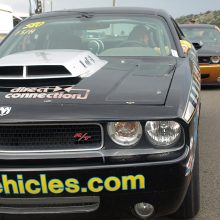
point(34, 25)
point(30, 28)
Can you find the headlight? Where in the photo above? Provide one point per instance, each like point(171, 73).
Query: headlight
point(163, 133)
point(215, 59)
point(125, 133)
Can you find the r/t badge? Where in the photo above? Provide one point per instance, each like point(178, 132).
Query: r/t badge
point(82, 137)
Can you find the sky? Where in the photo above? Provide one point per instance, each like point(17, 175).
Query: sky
point(175, 7)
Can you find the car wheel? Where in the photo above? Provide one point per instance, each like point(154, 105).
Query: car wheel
point(191, 203)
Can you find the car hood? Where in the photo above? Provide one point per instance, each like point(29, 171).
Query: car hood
point(209, 49)
point(97, 81)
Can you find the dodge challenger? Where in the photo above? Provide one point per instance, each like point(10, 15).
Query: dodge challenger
point(209, 54)
point(99, 113)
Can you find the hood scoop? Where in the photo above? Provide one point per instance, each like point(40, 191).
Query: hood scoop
point(50, 64)
point(43, 71)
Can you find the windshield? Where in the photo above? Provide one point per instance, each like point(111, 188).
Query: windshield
point(102, 35)
point(206, 35)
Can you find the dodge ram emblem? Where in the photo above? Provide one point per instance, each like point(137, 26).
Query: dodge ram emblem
point(4, 110)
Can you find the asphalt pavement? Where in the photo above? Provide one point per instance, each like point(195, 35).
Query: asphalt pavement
point(209, 163)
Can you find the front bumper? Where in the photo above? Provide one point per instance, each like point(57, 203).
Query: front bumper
point(210, 74)
point(165, 186)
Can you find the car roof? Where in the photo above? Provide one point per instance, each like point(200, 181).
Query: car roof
point(197, 25)
point(105, 10)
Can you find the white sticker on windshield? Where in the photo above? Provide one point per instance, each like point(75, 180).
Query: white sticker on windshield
point(174, 53)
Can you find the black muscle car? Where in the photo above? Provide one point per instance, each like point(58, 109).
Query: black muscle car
point(209, 54)
point(99, 113)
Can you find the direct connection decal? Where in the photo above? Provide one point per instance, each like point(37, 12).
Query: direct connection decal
point(44, 185)
point(48, 93)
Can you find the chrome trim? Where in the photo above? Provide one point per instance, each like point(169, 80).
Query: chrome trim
point(98, 167)
point(55, 151)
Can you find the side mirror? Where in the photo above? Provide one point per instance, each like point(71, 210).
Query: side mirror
point(197, 45)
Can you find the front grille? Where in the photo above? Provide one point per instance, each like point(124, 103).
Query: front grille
point(205, 75)
point(51, 137)
point(204, 60)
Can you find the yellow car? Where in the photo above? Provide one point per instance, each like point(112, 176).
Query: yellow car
point(209, 54)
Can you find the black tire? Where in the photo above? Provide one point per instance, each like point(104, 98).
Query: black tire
point(191, 203)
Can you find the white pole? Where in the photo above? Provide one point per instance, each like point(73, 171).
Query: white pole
point(114, 3)
point(44, 10)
